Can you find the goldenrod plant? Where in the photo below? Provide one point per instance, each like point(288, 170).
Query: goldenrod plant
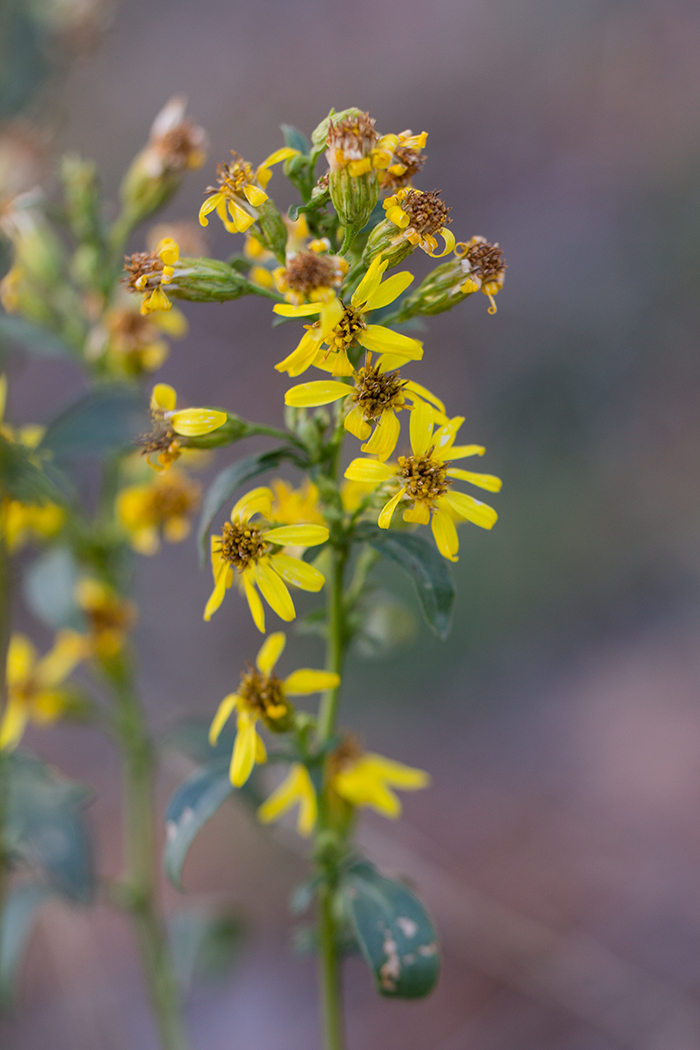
point(328, 267)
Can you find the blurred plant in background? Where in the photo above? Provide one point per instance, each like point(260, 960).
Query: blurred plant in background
point(325, 263)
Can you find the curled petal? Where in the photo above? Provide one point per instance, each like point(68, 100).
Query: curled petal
point(254, 195)
point(418, 514)
point(257, 501)
point(270, 652)
point(411, 387)
point(384, 520)
point(163, 398)
point(302, 357)
point(208, 206)
point(449, 239)
point(284, 153)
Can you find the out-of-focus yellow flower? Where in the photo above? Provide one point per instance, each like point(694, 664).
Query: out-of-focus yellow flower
point(341, 327)
point(421, 217)
point(378, 394)
point(290, 505)
point(295, 790)
point(424, 481)
point(161, 447)
point(109, 617)
point(160, 508)
point(24, 521)
point(251, 549)
point(241, 190)
point(367, 779)
point(131, 343)
point(261, 695)
point(311, 275)
point(176, 143)
point(33, 685)
point(149, 271)
point(29, 435)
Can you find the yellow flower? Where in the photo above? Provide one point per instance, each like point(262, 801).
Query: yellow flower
point(250, 548)
point(486, 265)
point(241, 190)
point(291, 505)
point(20, 521)
point(33, 684)
point(341, 327)
point(425, 478)
point(367, 779)
point(131, 343)
point(420, 217)
point(405, 160)
point(296, 789)
point(161, 446)
point(109, 617)
point(149, 271)
point(311, 276)
point(263, 696)
point(378, 395)
point(175, 143)
point(162, 507)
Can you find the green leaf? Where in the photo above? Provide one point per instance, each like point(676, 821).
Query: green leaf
point(49, 589)
point(19, 912)
point(32, 337)
point(105, 420)
point(46, 825)
point(394, 931)
point(230, 480)
point(23, 477)
point(204, 942)
point(294, 138)
point(192, 805)
point(422, 561)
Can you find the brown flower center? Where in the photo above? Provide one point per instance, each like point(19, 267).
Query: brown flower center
point(485, 260)
point(161, 439)
point(413, 161)
point(426, 212)
point(376, 392)
point(308, 270)
point(265, 695)
point(346, 754)
point(241, 544)
point(143, 264)
point(343, 335)
point(232, 177)
point(174, 497)
point(179, 144)
point(355, 135)
point(425, 478)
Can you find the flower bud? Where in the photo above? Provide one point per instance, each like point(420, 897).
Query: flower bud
point(199, 280)
point(352, 179)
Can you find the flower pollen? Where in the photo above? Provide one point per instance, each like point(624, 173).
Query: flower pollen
point(264, 695)
point(233, 177)
point(343, 335)
point(308, 271)
point(425, 478)
point(145, 270)
point(240, 544)
point(427, 214)
point(375, 392)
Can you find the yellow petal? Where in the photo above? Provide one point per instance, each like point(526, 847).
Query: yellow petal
point(270, 652)
point(472, 509)
point(383, 341)
point(483, 481)
point(418, 514)
point(13, 723)
point(370, 282)
point(254, 604)
point(449, 239)
point(254, 195)
point(459, 451)
point(284, 153)
point(355, 422)
point(445, 534)
point(157, 300)
point(384, 519)
point(21, 657)
point(369, 470)
point(421, 428)
point(386, 434)
point(243, 757)
point(168, 250)
point(445, 435)
point(163, 398)
point(257, 501)
point(298, 535)
point(411, 387)
point(223, 713)
point(406, 777)
point(389, 290)
point(274, 591)
point(302, 357)
point(208, 206)
point(69, 650)
point(297, 572)
point(321, 392)
point(296, 788)
point(305, 310)
point(191, 422)
point(305, 681)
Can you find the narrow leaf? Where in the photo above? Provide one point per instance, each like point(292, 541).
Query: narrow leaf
point(295, 138)
point(394, 931)
point(192, 805)
point(425, 565)
point(230, 480)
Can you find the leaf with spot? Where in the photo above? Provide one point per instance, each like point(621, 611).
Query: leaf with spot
point(418, 557)
point(46, 826)
point(227, 483)
point(394, 931)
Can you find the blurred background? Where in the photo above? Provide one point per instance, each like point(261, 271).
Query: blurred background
point(558, 848)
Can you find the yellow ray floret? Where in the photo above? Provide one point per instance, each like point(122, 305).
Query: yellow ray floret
point(241, 190)
point(253, 549)
point(34, 685)
point(325, 343)
point(424, 481)
point(367, 780)
point(295, 790)
point(162, 447)
point(262, 696)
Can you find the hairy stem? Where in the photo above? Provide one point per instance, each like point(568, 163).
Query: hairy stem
point(142, 895)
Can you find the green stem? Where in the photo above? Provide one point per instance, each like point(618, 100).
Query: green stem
point(142, 896)
point(335, 653)
point(329, 972)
